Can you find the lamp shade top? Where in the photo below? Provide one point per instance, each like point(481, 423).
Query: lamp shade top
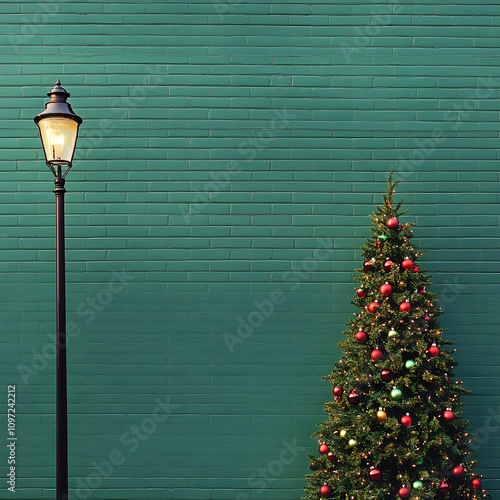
point(57, 106)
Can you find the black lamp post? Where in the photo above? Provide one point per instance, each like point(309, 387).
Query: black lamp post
point(58, 127)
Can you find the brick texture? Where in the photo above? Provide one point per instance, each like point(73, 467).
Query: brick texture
point(230, 155)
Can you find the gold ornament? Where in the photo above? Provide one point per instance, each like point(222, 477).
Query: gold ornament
point(381, 415)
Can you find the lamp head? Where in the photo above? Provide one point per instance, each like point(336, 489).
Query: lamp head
point(58, 126)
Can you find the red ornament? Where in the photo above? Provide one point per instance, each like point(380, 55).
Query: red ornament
point(407, 264)
point(325, 491)
point(387, 265)
point(476, 484)
point(404, 492)
point(377, 354)
point(459, 471)
point(386, 375)
point(372, 306)
point(337, 391)
point(375, 474)
point(449, 416)
point(406, 420)
point(386, 289)
point(405, 306)
point(361, 337)
point(332, 457)
point(433, 350)
point(368, 265)
point(361, 293)
point(323, 449)
point(353, 397)
point(415, 269)
point(392, 223)
point(444, 487)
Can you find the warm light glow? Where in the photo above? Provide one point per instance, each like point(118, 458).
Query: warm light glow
point(58, 138)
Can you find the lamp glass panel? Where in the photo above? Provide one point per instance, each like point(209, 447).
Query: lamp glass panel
point(58, 138)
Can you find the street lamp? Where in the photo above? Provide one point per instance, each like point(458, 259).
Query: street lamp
point(58, 126)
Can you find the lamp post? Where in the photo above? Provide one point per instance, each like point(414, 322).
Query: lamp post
point(58, 126)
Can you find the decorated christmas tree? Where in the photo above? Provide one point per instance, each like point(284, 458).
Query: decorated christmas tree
point(395, 426)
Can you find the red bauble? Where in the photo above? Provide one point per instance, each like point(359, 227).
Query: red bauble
point(386, 375)
point(444, 487)
point(433, 350)
point(392, 223)
point(377, 354)
point(459, 471)
point(387, 265)
point(325, 491)
point(353, 397)
point(323, 449)
point(361, 293)
point(375, 474)
point(386, 289)
point(368, 265)
point(476, 484)
point(337, 391)
point(372, 306)
point(332, 457)
point(406, 420)
point(361, 337)
point(449, 416)
point(404, 492)
point(407, 264)
point(405, 306)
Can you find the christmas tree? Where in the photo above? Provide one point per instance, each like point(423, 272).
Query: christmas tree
point(395, 426)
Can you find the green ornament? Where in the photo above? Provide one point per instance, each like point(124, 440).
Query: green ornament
point(396, 394)
point(393, 333)
point(418, 484)
point(410, 363)
point(382, 237)
point(420, 462)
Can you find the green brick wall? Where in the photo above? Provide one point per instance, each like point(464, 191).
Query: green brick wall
point(230, 155)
